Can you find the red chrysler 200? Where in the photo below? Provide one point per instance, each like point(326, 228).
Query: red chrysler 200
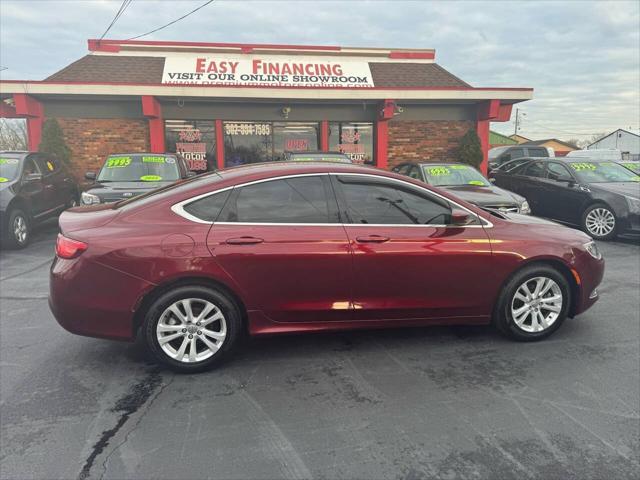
point(297, 247)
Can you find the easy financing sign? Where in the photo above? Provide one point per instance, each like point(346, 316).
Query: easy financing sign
point(273, 71)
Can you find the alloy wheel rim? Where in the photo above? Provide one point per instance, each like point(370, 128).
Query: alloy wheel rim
point(20, 229)
point(191, 330)
point(600, 222)
point(537, 304)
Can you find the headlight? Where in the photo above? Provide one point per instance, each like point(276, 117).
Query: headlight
point(524, 208)
point(592, 248)
point(89, 198)
point(634, 205)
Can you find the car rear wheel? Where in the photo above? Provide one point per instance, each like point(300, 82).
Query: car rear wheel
point(599, 221)
point(191, 328)
point(533, 304)
point(18, 229)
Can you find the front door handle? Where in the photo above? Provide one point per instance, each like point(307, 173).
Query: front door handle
point(244, 241)
point(372, 239)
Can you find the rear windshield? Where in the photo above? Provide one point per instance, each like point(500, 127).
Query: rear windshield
point(139, 168)
point(603, 172)
point(9, 168)
point(452, 175)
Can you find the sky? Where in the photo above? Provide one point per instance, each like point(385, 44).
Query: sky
point(582, 58)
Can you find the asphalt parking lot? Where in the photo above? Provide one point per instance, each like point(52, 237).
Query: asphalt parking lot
point(415, 403)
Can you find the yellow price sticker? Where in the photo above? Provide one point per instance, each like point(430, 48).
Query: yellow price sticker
point(3, 180)
point(438, 171)
point(583, 166)
point(151, 178)
point(153, 159)
point(115, 162)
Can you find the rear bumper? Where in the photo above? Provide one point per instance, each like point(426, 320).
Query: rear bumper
point(93, 300)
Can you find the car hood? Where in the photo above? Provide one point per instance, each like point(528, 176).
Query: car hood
point(630, 189)
point(485, 196)
point(533, 227)
point(112, 191)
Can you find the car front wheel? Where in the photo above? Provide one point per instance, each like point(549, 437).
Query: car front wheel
point(599, 221)
point(533, 304)
point(191, 328)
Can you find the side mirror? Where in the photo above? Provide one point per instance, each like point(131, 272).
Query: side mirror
point(33, 177)
point(565, 179)
point(460, 217)
point(90, 176)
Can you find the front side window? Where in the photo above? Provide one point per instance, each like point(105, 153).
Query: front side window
point(384, 203)
point(139, 168)
point(556, 171)
point(535, 169)
point(602, 172)
point(451, 175)
point(287, 200)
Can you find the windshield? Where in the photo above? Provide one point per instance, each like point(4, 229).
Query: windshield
point(450, 175)
point(139, 168)
point(603, 172)
point(634, 166)
point(9, 168)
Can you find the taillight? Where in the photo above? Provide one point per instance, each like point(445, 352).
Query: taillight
point(69, 248)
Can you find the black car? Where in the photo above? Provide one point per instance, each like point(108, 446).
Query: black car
point(601, 197)
point(316, 156)
point(33, 187)
point(500, 155)
point(126, 175)
point(465, 182)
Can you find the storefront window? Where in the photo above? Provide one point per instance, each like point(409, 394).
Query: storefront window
point(354, 139)
point(294, 137)
point(253, 142)
point(195, 140)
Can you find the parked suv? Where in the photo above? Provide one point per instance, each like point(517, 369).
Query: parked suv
point(126, 175)
point(33, 187)
point(500, 155)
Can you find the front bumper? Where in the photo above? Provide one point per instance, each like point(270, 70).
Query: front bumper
point(588, 273)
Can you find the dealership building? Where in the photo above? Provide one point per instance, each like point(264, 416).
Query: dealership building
point(222, 104)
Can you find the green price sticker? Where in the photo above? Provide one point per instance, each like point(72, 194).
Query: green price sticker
point(458, 167)
point(153, 159)
point(151, 178)
point(438, 171)
point(8, 161)
point(116, 162)
point(583, 166)
point(476, 182)
point(3, 180)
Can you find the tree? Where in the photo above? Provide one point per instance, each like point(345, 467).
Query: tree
point(13, 134)
point(53, 141)
point(574, 142)
point(470, 151)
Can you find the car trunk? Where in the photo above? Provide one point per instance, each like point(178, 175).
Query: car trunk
point(84, 218)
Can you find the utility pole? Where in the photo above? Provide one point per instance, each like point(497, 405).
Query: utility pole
point(515, 130)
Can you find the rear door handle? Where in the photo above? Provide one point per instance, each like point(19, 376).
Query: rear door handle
point(372, 239)
point(244, 241)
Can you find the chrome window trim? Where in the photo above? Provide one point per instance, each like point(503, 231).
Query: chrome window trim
point(178, 208)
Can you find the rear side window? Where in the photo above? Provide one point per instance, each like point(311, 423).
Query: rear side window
point(208, 208)
point(47, 164)
point(511, 154)
point(371, 202)
point(287, 200)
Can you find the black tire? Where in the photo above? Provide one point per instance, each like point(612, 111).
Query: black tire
point(503, 318)
point(10, 238)
point(227, 307)
point(583, 222)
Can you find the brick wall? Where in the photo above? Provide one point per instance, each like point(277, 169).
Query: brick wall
point(92, 139)
point(425, 140)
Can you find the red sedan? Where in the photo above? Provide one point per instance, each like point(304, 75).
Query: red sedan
point(296, 247)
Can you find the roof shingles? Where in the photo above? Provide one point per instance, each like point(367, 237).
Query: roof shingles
point(148, 70)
